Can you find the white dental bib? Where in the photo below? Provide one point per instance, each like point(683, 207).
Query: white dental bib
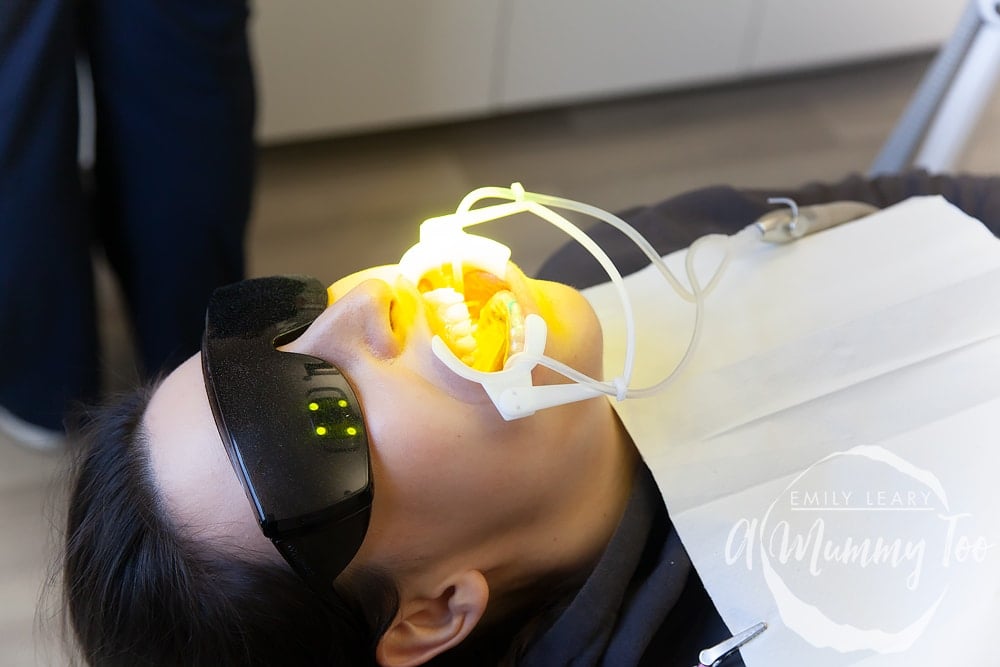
point(830, 455)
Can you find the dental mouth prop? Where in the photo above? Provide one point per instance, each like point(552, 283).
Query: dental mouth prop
point(517, 343)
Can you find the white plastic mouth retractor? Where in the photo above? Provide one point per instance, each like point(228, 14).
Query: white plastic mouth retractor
point(444, 242)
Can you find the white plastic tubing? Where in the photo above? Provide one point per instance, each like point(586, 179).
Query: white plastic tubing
point(542, 205)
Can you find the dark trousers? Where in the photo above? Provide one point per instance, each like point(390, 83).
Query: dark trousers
point(171, 184)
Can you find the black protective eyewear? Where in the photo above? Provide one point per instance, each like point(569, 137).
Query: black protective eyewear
point(291, 424)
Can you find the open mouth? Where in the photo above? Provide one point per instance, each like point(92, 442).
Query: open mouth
point(475, 313)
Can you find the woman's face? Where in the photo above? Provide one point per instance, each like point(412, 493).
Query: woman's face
point(448, 470)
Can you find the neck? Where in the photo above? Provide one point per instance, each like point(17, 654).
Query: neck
point(563, 547)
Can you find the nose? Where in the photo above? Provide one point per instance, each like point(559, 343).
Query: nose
point(388, 272)
point(357, 324)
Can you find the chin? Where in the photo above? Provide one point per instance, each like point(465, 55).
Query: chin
point(574, 332)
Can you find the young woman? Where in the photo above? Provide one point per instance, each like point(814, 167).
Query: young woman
point(476, 523)
point(538, 541)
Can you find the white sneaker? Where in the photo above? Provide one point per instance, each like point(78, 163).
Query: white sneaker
point(31, 435)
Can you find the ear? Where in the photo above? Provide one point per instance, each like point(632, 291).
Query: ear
point(426, 627)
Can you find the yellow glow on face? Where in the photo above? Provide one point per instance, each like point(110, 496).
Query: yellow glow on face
point(320, 430)
point(351, 430)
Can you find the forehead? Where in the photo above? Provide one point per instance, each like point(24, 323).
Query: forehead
point(190, 467)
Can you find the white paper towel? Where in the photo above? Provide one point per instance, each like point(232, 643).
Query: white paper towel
point(830, 455)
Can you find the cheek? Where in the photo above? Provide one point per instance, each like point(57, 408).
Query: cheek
point(431, 480)
point(575, 335)
point(433, 450)
point(423, 445)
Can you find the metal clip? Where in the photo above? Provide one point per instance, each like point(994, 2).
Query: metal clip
point(713, 657)
point(788, 224)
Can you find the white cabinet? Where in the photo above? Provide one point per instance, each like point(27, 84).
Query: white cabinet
point(336, 66)
point(807, 33)
point(559, 50)
point(332, 67)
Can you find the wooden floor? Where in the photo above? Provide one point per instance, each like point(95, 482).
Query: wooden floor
point(330, 207)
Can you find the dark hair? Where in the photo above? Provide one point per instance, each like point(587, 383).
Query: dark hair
point(140, 591)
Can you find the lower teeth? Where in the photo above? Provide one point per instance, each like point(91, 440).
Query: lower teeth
point(499, 333)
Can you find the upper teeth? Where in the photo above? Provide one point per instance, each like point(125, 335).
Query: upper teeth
point(449, 304)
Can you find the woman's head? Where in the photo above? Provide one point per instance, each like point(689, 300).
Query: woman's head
point(141, 588)
point(471, 513)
